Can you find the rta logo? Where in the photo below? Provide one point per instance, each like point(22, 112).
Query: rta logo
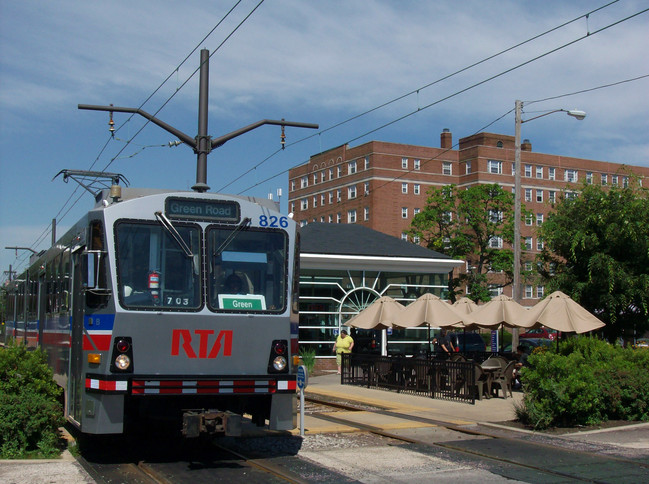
point(203, 337)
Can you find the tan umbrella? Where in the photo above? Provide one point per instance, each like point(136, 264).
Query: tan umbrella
point(501, 310)
point(430, 310)
point(559, 312)
point(381, 314)
point(464, 305)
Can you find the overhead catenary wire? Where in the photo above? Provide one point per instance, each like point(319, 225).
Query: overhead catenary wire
point(430, 84)
point(63, 212)
point(461, 91)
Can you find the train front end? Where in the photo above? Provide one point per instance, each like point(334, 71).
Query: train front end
point(200, 322)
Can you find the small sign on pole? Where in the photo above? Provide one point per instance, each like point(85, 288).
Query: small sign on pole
point(302, 382)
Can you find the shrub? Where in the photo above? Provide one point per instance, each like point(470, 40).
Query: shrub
point(308, 358)
point(30, 414)
point(586, 382)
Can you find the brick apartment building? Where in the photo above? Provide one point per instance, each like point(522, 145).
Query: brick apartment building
point(383, 185)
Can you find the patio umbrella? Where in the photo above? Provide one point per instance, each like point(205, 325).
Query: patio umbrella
point(464, 305)
point(429, 309)
point(381, 314)
point(501, 310)
point(560, 312)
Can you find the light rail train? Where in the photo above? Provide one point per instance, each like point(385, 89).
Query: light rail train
point(171, 304)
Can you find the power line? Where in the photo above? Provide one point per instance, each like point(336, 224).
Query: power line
point(418, 90)
point(484, 81)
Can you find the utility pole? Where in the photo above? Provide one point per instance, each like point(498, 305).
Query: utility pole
point(202, 144)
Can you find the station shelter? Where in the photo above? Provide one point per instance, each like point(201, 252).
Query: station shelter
point(346, 267)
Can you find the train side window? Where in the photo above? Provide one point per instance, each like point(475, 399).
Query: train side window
point(97, 294)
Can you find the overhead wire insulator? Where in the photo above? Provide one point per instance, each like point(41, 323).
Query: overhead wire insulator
point(111, 124)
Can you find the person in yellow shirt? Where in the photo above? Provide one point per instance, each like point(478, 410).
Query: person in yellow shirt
point(344, 344)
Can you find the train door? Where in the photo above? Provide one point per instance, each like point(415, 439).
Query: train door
point(76, 381)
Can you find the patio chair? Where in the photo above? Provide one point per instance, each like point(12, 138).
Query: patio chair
point(482, 379)
point(504, 380)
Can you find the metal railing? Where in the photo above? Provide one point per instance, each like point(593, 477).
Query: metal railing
point(430, 377)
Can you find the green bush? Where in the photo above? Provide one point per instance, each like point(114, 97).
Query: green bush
point(30, 414)
point(308, 358)
point(585, 382)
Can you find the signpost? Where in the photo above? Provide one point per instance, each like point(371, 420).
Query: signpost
point(302, 382)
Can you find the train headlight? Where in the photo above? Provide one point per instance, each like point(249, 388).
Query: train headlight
point(279, 363)
point(122, 362)
point(278, 359)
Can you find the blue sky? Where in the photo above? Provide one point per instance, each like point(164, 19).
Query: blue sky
point(319, 62)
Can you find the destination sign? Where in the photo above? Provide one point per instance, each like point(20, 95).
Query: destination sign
point(198, 209)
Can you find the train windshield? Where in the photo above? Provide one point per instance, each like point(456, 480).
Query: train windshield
point(247, 269)
point(153, 269)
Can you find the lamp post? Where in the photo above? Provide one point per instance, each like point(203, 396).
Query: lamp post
point(516, 287)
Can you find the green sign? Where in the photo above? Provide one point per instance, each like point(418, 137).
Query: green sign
point(242, 302)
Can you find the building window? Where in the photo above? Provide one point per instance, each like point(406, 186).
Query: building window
point(366, 213)
point(529, 291)
point(351, 192)
point(589, 177)
point(338, 218)
point(528, 243)
point(416, 211)
point(404, 188)
point(499, 144)
point(404, 163)
point(351, 216)
point(625, 181)
point(292, 207)
point(528, 194)
point(539, 195)
point(322, 199)
point(551, 172)
point(331, 173)
point(331, 218)
point(404, 212)
point(304, 204)
point(367, 188)
point(604, 179)
point(404, 236)
point(539, 172)
point(415, 239)
point(540, 292)
point(339, 171)
point(495, 291)
point(367, 162)
point(315, 178)
point(322, 219)
point(351, 167)
point(495, 216)
point(417, 164)
point(315, 201)
point(416, 189)
point(305, 182)
point(528, 170)
point(331, 198)
point(494, 166)
point(529, 219)
point(338, 195)
point(539, 244)
point(447, 169)
point(292, 185)
point(614, 180)
point(552, 196)
point(467, 167)
point(496, 242)
point(570, 175)
point(539, 218)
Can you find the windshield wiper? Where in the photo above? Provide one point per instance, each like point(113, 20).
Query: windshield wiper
point(166, 223)
point(244, 223)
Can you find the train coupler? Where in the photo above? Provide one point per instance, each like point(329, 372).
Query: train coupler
point(197, 422)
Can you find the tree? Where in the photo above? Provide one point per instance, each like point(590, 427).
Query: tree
point(597, 251)
point(472, 224)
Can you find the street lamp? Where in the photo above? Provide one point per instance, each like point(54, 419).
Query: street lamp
point(516, 289)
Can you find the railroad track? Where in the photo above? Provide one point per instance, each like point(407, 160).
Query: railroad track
point(511, 454)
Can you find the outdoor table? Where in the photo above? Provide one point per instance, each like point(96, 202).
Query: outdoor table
point(490, 369)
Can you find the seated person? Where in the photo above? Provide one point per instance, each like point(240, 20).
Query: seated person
point(522, 361)
point(233, 285)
